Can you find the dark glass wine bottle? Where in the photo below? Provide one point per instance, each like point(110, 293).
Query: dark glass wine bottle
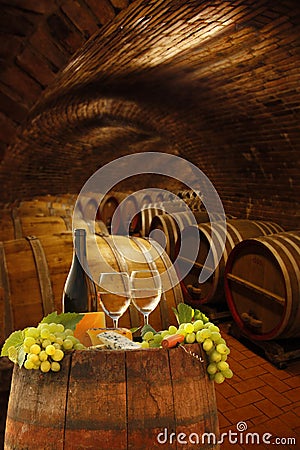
point(79, 294)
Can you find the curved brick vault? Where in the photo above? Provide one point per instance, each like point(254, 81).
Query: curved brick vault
point(215, 82)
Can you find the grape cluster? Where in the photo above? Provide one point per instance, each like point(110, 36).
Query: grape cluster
point(45, 345)
point(208, 335)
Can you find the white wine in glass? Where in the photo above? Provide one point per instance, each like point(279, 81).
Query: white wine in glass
point(145, 289)
point(114, 294)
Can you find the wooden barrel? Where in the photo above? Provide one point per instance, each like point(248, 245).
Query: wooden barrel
point(191, 198)
point(148, 213)
point(6, 369)
point(107, 208)
point(212, 290)
point(262, 286)
point(166, 228)
point(39, 225)
point(15, 227)
point(114, 400)
point(126, 254)
point(49, 205)
point(33, 272)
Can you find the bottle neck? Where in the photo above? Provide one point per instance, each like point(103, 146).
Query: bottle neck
point(80, 246)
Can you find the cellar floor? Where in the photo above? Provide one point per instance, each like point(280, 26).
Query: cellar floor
point(266, 399)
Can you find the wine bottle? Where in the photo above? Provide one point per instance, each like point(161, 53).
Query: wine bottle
point(79, 294)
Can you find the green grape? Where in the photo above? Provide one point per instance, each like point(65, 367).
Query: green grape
point(190, 338)
point(145, 344)
point(227, 373)
point(32, 332)
point(221, 341)
point(43, 356)
point(223, 357)
point(213, 328)
point(148, 336)
point(207, 345)
point(55, 366)
point(189, 328)
point(78, 346)
point(45, 333)
point(26, 349)
point(60, 328)
point(56, 345)
point(59, 341)
point(157, 338)
point(215, 336)
point(33, 358)
point(219, 378)
point(181, 331)
point(172, 329)
point(35, 348)
point(205, 333)
point(199, 337)
point(165, 333)
point(45, 343)
point(223, 349)
point(71, 338)
point(208, 325)
point(212, 368)
point(29, 341)
point(215, 356)
point(212, 376)
point(28, 364)
point(181, 326)
point(222, 365)
point(52, 337)
point(198, 325)
point(69, 332)
point(45, 366)
point(58, 355)
point(50, 349)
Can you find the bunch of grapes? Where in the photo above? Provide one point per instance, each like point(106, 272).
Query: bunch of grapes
point(45, 345)
point(205, 333)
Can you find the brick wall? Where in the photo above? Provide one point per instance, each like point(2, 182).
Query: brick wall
point(214, 82)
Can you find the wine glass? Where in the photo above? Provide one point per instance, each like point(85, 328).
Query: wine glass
point(114, 294)
point(145, 289)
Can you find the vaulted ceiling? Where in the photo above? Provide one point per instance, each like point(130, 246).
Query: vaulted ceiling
point(216, 82)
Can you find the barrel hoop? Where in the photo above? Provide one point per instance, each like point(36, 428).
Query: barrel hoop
point(122, 264)
point(4, 280)
point(229, 236)
point(17, 223)
point(171, 271)
point(43, 274)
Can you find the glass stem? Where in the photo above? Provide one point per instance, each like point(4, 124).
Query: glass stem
point(115, 323)
point(146, 319)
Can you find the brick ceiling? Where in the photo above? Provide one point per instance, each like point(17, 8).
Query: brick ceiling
point(216, 82)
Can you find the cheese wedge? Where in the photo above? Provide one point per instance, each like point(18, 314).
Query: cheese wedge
point(94, 332)
point(115, 341)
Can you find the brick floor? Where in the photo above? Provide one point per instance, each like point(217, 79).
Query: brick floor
point(266, 398)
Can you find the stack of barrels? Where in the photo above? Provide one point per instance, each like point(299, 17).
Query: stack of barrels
point(252, 266)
